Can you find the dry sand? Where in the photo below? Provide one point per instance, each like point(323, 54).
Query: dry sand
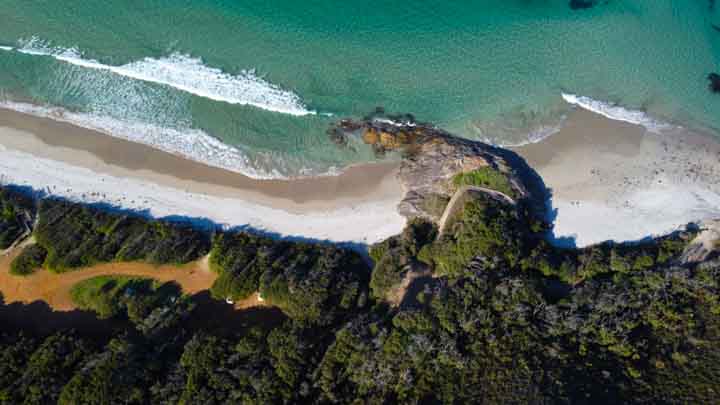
point(45, 138)
point(612, 180)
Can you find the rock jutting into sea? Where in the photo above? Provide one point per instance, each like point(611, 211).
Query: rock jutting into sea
point(433, 162)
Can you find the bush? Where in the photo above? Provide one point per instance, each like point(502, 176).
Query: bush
point(484, 228)
point(395, 256)
point(311, 283)
point(486, 177)
point(237, 259)
point(16, 211)
point(112, 296)
point(78, 236)
point(30, 259)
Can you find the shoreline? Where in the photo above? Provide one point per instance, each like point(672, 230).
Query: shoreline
point(58, 140)
point(357, 206)
point(610, 180)
point(613, 180)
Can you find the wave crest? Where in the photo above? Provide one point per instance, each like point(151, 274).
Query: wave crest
point(616, 112)
point(193, 144)
point(185, 73)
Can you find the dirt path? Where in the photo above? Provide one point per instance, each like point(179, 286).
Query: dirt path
point(55, 288)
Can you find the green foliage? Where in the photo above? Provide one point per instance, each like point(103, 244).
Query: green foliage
point(16, 213)
point(111, 296)
point(507, 318)
point(486, 177)
point(121, 373)
point(395, 256)
point(30, 259)
point(315, 284)
point(238, 259)
point(485, 228)
point(575, 265)
point(78, 236)
point(311, 283)
point(434, 204)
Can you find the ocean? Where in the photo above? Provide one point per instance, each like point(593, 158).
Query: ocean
point(252, 85)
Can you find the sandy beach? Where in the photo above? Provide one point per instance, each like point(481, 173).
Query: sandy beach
point(612, 180)
point(357, 206)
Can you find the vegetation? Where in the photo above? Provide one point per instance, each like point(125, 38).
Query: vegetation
point(435, 204)
point(507, 318)
point(395, 257)
point(30, 259)
point(16, 214)
point(311, 283)
point(486, 177)
point(486, 229)
point(78, 236)
point(135, 298)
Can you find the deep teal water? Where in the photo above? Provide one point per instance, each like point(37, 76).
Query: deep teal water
point(487, 69)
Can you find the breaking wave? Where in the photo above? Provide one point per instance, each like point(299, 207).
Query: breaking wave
point(616, 112)
point(185, 73)
point(193, 144)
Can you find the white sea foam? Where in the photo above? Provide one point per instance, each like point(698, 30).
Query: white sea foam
point(193, 144)
point(616, 112)
point(399, 124)
point(6, 48)
point(186, 73)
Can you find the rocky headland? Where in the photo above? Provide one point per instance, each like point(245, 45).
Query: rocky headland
point(436, 165)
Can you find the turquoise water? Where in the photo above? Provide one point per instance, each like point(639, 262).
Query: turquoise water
point(267, 77)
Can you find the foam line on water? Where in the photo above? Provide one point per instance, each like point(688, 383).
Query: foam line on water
point(616, 112)
point(192, 144)
point(185, 73)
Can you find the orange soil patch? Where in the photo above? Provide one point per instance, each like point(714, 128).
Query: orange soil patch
point(55, 288)
point(252, 301)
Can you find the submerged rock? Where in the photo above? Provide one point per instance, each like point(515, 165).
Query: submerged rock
point(581, 4)
point(714, 82)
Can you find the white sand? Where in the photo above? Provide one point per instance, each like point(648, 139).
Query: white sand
point(616, 181)
point(365, 222)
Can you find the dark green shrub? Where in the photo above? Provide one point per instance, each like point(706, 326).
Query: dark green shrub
point(112, 296)
point(30, 259)
point(78, 236)
point(484, 227)
point(486, 177)
point(16, 214)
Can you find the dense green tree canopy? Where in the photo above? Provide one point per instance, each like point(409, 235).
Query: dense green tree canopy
point(503, 317)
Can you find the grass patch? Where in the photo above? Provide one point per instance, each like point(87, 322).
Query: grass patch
point(30, 259)
point(111, 296)
point(486, 177)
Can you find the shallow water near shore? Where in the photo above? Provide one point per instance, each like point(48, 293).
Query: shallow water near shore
point(267, 78)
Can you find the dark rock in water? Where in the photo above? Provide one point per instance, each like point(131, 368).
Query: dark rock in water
point(581, 4)
point(714, 82)
point(338, 137)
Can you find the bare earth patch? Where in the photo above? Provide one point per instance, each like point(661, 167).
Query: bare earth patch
point(55, 288)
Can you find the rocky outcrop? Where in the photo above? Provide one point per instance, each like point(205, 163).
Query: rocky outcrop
point(706, 244)
point(431, 158)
